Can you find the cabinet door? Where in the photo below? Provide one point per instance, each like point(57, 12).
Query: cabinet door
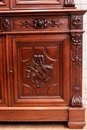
point(4, 4)
point(40, 70)
point(37, 4)
point(3, 74)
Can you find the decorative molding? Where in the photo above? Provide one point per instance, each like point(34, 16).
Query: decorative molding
point(69, 3)
point(40, 23)
point(76, 64)
point(6, 24)
point(76, 38)
point(39, 72)
point(76, 101)
point(77, 22)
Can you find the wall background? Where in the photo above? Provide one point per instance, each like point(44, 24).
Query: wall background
point(82, 4)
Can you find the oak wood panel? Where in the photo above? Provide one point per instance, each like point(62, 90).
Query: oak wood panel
point(53, 88)
point(3, 73)
point(33, 4)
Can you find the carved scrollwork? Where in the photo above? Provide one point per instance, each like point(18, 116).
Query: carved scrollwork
point(39, 72)
point(76, 64)
point(6, 24)
point(77, 22)
point(69, 3)
point(40, 23)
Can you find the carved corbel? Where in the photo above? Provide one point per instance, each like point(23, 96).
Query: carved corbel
point(76, 60)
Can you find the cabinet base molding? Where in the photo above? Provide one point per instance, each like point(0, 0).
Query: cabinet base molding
point(76, 118)
point(33, 114)
point(76, 125)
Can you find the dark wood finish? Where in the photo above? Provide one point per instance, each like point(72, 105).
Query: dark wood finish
point(41, 61)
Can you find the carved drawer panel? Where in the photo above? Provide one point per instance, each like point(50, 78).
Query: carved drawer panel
point(45, 23)
point(37, 70)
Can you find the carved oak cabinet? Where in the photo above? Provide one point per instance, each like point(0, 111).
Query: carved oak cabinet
point(41, 61)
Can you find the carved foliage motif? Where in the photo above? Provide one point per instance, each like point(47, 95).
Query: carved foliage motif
point(6, 24)
point(77, 22)
point(40, 23)
point(39, 72)
point(69, 3)
point(76, 64)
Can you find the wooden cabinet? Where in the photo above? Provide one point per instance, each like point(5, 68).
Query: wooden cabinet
point(41, 62)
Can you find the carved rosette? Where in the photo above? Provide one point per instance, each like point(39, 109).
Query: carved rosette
point(39, 72)
point(76, 68)
point(76, 22)
point(6, 24)
point(69, 3)
point(40, 23)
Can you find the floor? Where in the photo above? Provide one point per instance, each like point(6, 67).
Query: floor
point(37, 126)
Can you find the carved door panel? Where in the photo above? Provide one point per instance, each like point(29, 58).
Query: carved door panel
point(39, 66)
point(4, 4)
point(3, 77)
point(35, 4)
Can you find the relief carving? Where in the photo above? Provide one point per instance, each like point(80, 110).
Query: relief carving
point(6, 24)
point(77, 22)
point(76, 101)
point(69, 3)
point(76, 38)
point(40, 23)
point(76, 64)
point(39, 72)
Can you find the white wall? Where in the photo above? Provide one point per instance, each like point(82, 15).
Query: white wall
point(82, 4)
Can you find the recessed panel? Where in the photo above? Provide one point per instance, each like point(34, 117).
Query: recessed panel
point(37, 4)
point(39, 76)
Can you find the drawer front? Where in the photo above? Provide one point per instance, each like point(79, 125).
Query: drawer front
point(36, 23)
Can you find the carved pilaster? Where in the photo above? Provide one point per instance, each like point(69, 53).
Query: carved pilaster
point(76, 68)
point(69, 3)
